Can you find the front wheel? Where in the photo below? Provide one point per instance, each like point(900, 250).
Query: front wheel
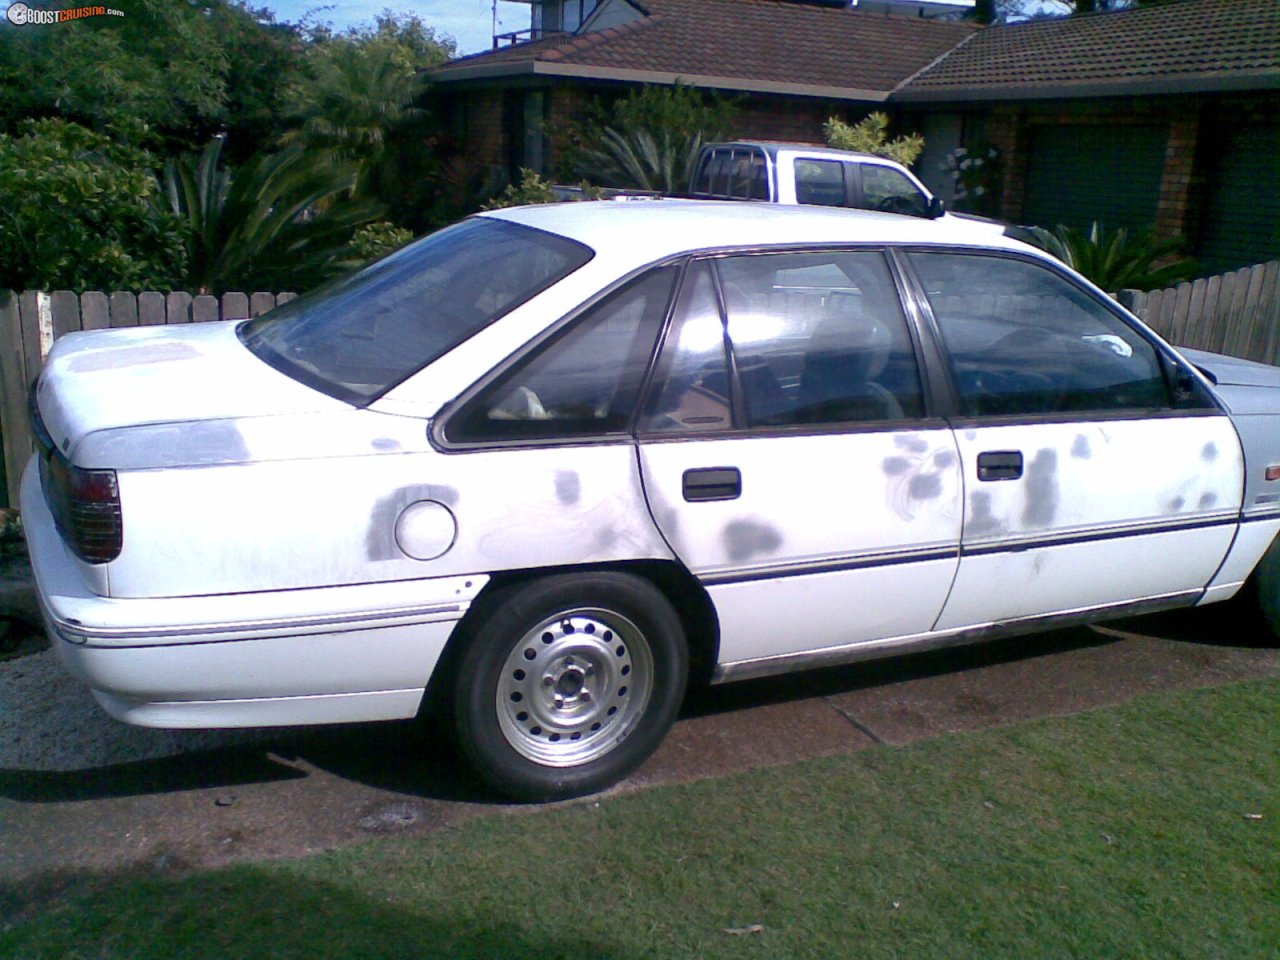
point(569, 684)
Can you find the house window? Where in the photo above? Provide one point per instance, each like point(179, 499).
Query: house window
point(554, 16)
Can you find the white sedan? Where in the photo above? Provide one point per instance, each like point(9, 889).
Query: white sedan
point(543, 468)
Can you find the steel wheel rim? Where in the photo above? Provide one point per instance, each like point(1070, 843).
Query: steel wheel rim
point(574, 687)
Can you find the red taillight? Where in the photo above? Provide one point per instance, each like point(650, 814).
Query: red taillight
point(86, 509)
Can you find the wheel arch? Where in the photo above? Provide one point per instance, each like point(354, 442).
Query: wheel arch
point(690, 599)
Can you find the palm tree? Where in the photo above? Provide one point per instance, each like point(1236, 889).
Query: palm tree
point(644, 160)
point(357, 96)
point(261, 227)
point(1115, 259)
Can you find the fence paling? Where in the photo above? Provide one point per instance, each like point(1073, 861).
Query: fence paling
point(1236, 313)
point(32, 320)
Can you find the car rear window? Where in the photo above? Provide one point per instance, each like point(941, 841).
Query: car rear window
point(359, 336)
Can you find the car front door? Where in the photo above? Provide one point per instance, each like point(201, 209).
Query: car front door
point(790, 461)
point(1096, 472)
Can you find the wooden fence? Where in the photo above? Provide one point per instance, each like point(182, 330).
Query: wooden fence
point(30, 322)
point(1235, 313)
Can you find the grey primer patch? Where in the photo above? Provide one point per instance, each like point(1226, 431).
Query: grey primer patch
point(1207, 500)
point(1042, 489)
point(924, 486)
point(1176, 504)
point(943, 459)
point(981, 519)
point(446, 495)
point(896, 466)
point(604, 538)
point(1210, 452)
point(909, 442)
point(141, 356)
point(385, 443)
point(744, 539)
point(1080, 449)
point(568, 487)
point(380, 538)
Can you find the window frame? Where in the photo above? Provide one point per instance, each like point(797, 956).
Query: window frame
point(850, 181)
point(920, 191)
point(933, 396)
point(1170, 364)
point(438, 431)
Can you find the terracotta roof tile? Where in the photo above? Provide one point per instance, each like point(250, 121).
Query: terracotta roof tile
point(761, 41)
point(1178, 41)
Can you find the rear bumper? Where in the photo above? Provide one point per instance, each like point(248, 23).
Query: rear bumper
point(325, 655)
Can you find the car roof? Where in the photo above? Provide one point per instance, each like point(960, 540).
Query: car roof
point(644, 231)
point(775, 147)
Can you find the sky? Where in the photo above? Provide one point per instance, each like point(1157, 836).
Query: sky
point(470, 22)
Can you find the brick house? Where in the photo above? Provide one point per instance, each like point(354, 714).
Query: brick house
point(1161, 115)
point(797, 63)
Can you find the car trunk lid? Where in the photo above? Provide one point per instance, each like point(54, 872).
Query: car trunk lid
point(105, 380)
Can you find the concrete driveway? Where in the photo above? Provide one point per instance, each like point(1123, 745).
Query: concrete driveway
point(82, 796)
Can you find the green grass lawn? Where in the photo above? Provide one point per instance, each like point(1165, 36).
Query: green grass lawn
point(1129, 832)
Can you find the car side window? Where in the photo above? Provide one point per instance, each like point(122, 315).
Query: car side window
point(585, 382)
point(1024, 340)
point(820, 182)
point(819, 338)
point(884, 188)
point(691, 389)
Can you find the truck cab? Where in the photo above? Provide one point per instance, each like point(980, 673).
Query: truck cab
point(793, 173)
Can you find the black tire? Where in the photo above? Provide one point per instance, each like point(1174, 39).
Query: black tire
point(568, 684)
point(1266, 585)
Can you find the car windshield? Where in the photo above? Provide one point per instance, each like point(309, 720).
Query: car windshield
point(358, 337)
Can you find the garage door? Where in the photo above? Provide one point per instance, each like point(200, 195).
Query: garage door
point(1078, 173)
point(1242, 217)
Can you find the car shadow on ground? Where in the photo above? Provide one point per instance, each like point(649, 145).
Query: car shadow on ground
point(411, 757)
point(850, 678)
point(415, 758)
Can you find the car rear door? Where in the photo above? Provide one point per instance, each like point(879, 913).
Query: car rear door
point(790, 459)
point(1095, 474)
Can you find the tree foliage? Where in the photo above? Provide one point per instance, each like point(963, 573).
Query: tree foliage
point(1115, 259)
point(871, 135)
point(155, 76)
point(132, 94)
point(644, 159)
point(355, 88)
point(647, 140)
point(281, 221)
point(77, 211)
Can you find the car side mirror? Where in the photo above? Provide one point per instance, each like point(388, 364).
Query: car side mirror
point(936, 208)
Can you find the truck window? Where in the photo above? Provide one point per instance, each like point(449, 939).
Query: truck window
point(820, 182)
point(887, 189)
point(733, 173)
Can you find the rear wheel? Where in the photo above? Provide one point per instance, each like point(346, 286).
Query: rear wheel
point(569, 684)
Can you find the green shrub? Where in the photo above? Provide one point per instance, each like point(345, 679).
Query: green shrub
point(646, 140)
point(78, 212)
point(871, 135)
point(376, 240)
point(1116, 260)
point(532, 189)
